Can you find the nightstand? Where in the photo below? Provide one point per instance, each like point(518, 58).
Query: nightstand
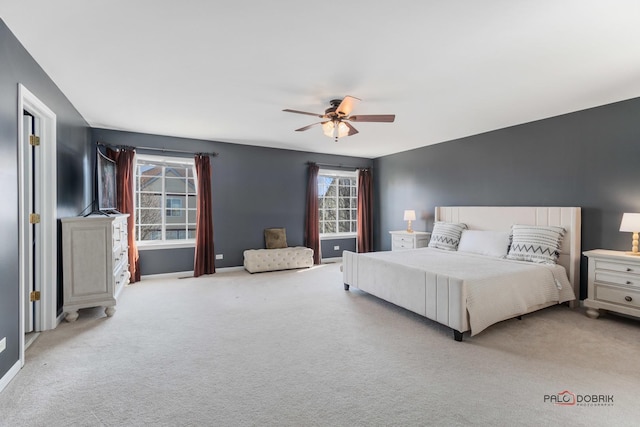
point(614, 283)
point(404, 240)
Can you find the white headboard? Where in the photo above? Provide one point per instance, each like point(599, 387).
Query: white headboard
point(503, 217)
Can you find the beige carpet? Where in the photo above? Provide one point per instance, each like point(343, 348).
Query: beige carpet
point(294, 349)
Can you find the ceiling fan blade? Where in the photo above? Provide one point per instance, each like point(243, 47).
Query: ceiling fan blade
point(309, 126)
point(352, 130)
point(386, 118)
point(345, 107)
point(304, 112)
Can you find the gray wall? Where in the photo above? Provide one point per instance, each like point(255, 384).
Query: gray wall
point(74, 188)
point(587, 159)
point(253, 188)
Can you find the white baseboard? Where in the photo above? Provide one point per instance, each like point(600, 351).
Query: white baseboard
point(228, 269)
point(182, 274)
point(12, 372)
point(331, 260)
point(173, 275)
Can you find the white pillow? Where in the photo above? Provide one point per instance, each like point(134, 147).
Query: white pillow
point(490, 243)
point(446, 235)
point(536, 243)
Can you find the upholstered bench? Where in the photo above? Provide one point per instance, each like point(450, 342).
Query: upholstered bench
point(260, 260)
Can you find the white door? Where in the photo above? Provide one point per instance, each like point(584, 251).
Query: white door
point(37, 194)
point(33, 237)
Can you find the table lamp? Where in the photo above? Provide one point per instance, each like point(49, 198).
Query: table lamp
point(410, 215)
point(631, 223)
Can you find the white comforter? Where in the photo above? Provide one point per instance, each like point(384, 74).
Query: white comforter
point(496, 289)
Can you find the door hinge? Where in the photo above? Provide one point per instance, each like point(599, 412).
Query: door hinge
point(34, 218)
point(34, 296)
point(34, 140)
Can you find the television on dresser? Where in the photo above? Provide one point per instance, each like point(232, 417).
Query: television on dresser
point(107, 191)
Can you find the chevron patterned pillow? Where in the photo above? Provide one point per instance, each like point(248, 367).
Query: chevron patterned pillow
point(536, 243)
point(446, 235)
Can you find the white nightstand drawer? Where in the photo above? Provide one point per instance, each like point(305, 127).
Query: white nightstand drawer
point(405, 240)
point(618, 279)
point(614, 266)
point(630, 298)
point(402, 239)
point(402, 245)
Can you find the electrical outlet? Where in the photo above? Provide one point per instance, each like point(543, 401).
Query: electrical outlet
point(3, 344)
point(336, 248)
point(219, 256)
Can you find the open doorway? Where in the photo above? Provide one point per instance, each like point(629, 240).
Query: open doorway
point(38, 219)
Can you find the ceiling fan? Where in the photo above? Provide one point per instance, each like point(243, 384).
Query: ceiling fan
point(338, 116)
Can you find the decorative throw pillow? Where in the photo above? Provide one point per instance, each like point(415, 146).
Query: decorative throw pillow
point(275, 238)
point(446, 235)
point(536, 243)
point(484, 242)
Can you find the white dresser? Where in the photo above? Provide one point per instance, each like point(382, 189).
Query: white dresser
point(614, 283)
point(95, 262)
point(404, 240)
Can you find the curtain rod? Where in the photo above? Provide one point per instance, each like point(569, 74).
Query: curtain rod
point(340, 166)
point(164, 150)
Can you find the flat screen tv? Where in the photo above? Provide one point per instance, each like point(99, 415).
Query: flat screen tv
point(106, 181)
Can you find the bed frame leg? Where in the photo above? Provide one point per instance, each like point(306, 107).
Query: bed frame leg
point(457, 335)
point(346, 287)
point(519, 317)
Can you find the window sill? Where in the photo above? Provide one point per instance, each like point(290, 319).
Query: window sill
point(338, 236)
point(165, 245)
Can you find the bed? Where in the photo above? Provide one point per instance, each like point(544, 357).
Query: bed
point(468, 292)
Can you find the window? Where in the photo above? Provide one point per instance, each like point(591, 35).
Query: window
point(165, 200)
point(173, 206)
point(337, 203)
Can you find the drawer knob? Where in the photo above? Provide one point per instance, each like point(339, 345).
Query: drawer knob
point(629, 283)
point(629, 269)
point(628, 299)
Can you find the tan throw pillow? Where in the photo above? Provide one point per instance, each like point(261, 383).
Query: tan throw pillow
point(275, 238)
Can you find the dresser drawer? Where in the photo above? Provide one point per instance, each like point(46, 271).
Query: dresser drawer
point(615, 266)
point(117, 229)
point(626, 297)
point(119, 259)
point(618, 278)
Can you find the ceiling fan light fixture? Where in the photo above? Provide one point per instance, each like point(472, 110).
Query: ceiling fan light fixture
point(343, 130)
point(337, 117)
point(327, 128)
point(335, 129)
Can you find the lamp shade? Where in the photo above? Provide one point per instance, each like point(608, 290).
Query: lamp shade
point(630, 222)
point(410, 215)
point(343, 130)
point(327, 128)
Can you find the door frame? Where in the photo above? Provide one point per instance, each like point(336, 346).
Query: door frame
point(48, 260)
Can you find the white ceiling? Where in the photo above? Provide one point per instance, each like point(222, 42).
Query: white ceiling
point(224, 70)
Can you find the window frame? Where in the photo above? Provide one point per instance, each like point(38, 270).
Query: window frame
point(164, 160)
point(351, 174)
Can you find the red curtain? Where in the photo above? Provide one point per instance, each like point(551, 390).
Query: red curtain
point(365, 211)
point(125, 174)
point(312, 225)
point(204, 262)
